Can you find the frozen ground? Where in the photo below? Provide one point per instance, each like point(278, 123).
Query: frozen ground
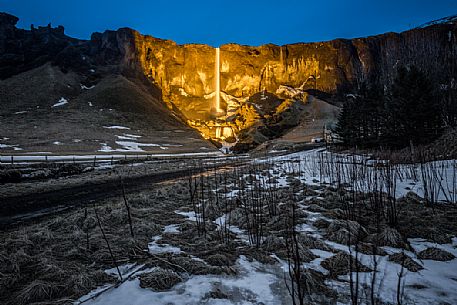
point(254, 282)
point(318, 166)
point(241, 273)
point(258, 283)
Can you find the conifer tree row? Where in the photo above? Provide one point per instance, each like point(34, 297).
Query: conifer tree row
point(412, 111)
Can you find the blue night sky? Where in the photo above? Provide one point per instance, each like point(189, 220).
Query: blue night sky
point(245, 22)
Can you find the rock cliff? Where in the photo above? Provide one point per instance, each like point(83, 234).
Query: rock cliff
point(184, 75)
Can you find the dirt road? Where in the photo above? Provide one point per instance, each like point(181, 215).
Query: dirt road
point(17, 209)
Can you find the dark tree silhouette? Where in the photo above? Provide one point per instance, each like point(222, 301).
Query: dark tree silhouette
point(361, 121)
point(413, 112)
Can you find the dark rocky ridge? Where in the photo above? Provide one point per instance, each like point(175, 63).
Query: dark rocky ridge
point(22, 50)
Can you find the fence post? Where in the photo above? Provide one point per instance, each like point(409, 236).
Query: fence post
point(95, 159)
point(12, 159)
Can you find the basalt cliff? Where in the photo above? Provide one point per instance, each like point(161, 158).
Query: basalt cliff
point(259, 85)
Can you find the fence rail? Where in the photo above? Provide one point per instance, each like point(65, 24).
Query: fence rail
point(16, 159)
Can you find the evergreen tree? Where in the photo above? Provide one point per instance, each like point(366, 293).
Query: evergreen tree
point(371, 107)
point(449, 106)
point(361, 119)
point(413, 114)
point(345, 127)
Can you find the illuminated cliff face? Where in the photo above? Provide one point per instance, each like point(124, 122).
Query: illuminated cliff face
point(186, 74)
point(187, 77)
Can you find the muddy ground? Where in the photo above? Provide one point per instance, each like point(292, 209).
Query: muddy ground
point(33, 190)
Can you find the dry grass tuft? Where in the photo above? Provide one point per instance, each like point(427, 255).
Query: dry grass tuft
point(38, 291)
point(218, 260)
point(391, 238)
point(159, 279)
point(340, 264)
point(346, 232)
point(436, 254)
point(406, 261)
point(63, 256)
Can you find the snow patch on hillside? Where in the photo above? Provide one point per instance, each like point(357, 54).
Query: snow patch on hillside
point(445, 20)
point(61, 102)
point(116, 127)
point(15, 147)
point(84, 87)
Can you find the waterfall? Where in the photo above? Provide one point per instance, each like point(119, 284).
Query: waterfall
point(217, 103)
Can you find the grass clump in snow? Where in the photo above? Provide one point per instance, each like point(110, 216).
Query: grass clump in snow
point(435, 254)
point(341, 263)
point(159, 279)
point(406, 261)
point(346, 232)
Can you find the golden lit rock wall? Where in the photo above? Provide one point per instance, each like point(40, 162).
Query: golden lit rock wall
point(186, 75)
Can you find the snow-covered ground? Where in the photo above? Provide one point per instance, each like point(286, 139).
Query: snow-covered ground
point(255, 281)
point(129, 143)
point(157, 248)
point(435, 284)
point(320, 166)
point(128, 136)
point(84, 87)
point(127, 146)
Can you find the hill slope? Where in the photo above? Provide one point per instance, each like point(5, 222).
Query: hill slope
point(46, 110)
